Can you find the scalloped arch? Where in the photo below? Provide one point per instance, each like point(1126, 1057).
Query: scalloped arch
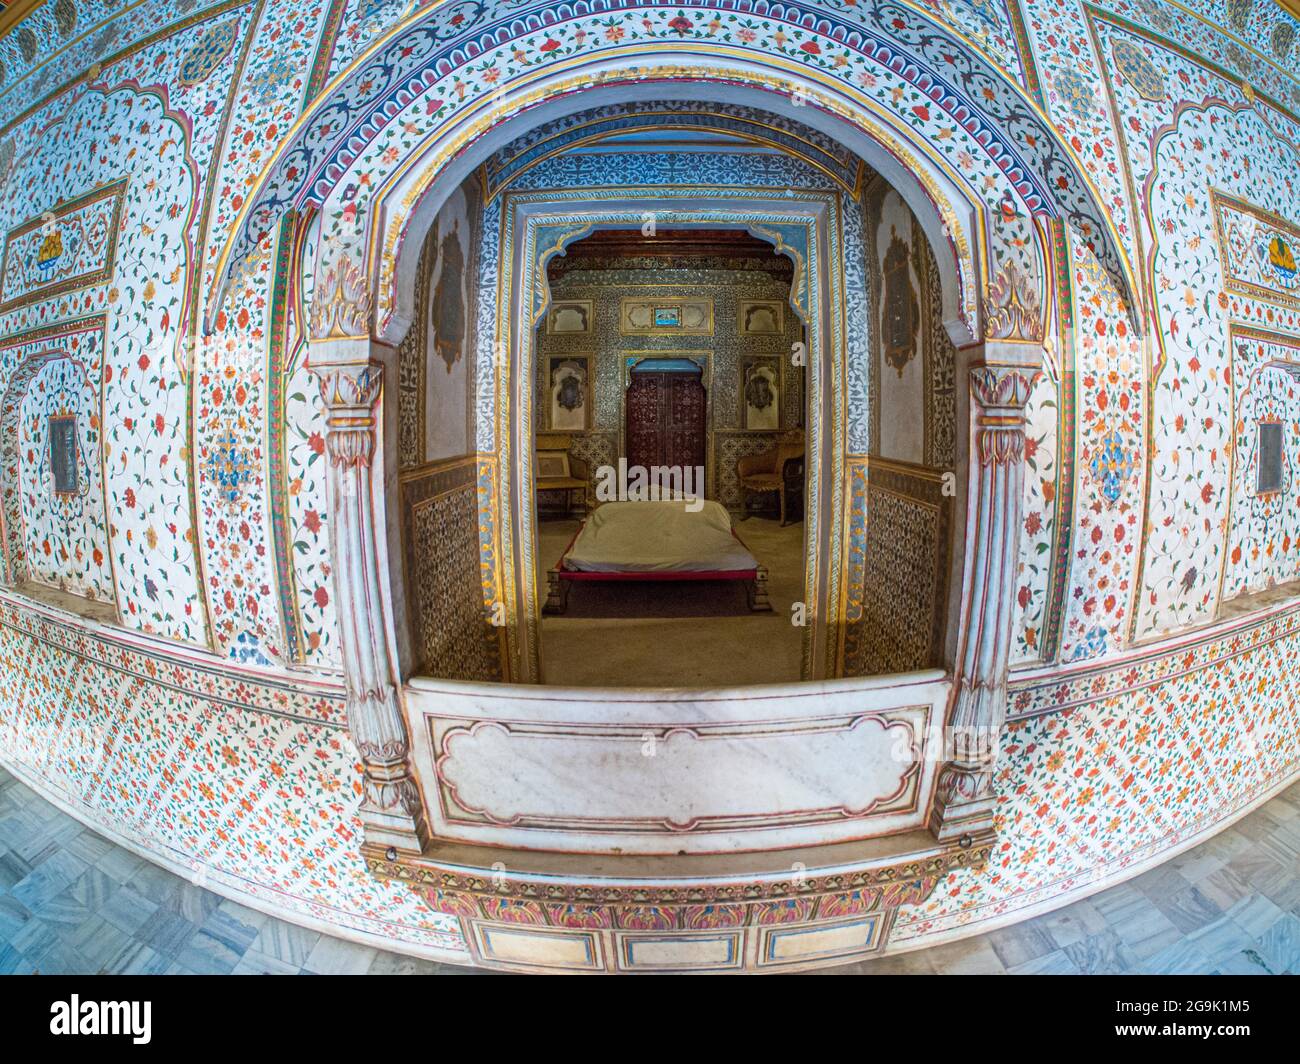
point(919, 75)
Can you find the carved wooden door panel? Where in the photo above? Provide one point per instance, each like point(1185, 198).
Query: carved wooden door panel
point(666, 420)
point(644, 419)
point(685, 430)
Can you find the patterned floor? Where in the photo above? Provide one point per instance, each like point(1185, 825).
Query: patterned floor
point(71, 902)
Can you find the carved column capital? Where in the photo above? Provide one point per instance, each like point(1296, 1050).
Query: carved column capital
point(999, 395)
point(351, 394)
point(391, 812)
point(998, 389)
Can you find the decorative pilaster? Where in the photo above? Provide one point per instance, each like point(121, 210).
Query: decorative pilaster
point(963, 804)
point(390, 805)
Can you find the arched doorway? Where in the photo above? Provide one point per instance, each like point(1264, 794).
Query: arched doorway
point(372, 184)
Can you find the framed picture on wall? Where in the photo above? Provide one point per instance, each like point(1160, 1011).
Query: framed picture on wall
point(63, 453)
point(760, 393)
point(552, 465)
point(568, 393)
point(760, 318)
point(571, 317)
point(665, 316)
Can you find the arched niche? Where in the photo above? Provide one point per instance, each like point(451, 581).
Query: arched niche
point(374, 182)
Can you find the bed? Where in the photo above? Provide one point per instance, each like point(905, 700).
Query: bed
point(656, 541)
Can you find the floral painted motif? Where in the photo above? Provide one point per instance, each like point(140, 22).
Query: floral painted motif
point(1132, 61)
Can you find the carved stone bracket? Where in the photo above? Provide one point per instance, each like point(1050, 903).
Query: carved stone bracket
point(964, 798)
point(391, 812)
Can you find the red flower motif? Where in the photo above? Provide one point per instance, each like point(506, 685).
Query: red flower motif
point(130, 498)
point(681, 25)
point(312, 521)
point(316, 442)
point(322, 597)
point(550, 45)
point(810, 47)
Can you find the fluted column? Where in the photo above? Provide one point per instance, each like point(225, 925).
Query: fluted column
point(390, 804)
point(963, 804)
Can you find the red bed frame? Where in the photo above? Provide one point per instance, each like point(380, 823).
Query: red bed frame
point(561, 578)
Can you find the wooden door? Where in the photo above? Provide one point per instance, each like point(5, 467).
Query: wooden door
point(666, 420)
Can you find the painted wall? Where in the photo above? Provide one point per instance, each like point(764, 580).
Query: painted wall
point(140, 132)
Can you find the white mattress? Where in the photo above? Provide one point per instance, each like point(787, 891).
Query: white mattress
point(658, 537)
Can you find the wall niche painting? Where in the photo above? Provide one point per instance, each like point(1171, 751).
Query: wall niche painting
point(761, 318)
point(450, 294)
point(570, 318)
point(900, 317)
point(760, 394)
point(569, 393)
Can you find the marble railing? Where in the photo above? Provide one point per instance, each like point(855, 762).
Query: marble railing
point(677, 772)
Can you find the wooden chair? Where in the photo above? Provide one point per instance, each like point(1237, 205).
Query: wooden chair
point(762, 474)
point(558, 470)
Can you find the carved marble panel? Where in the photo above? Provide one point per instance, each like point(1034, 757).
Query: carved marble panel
point(827, 762)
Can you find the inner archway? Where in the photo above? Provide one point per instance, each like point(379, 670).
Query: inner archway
point(671, 362)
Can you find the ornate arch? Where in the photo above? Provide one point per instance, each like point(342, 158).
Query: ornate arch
point(442, 82)
point(976, 161)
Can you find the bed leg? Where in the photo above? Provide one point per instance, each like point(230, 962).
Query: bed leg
point(557, 593)
point(757, 591)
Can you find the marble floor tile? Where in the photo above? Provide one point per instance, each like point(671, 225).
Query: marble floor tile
point(255, 963)
point(1147, 932)
point(333, 956)
point(1104, 953)
point(12, 962)
point(166, 931)
point(1073, 923)
point(1225, 888)
point(158, 885)
point(13, 869)
point(1221, 939)
point(193, 902)
point(205, 954)
point(1280, 945)
point(64, 910)
point(1021, 943)
point(98, 941)
point(1261, 870)
point(135, 958)
point(1247, 962)
point(89, 846)
point(120, 864)
point(1181, 958)
point(13, 914)
point(48, 880)
point(1120, 903)
point(127, 910)
point(1055, 963)
point(94, 888)
point(286, 942)
point(244, 914)
point(1188, 910)
point(233, 933)
point(1255, 914)
point(1163, 881)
